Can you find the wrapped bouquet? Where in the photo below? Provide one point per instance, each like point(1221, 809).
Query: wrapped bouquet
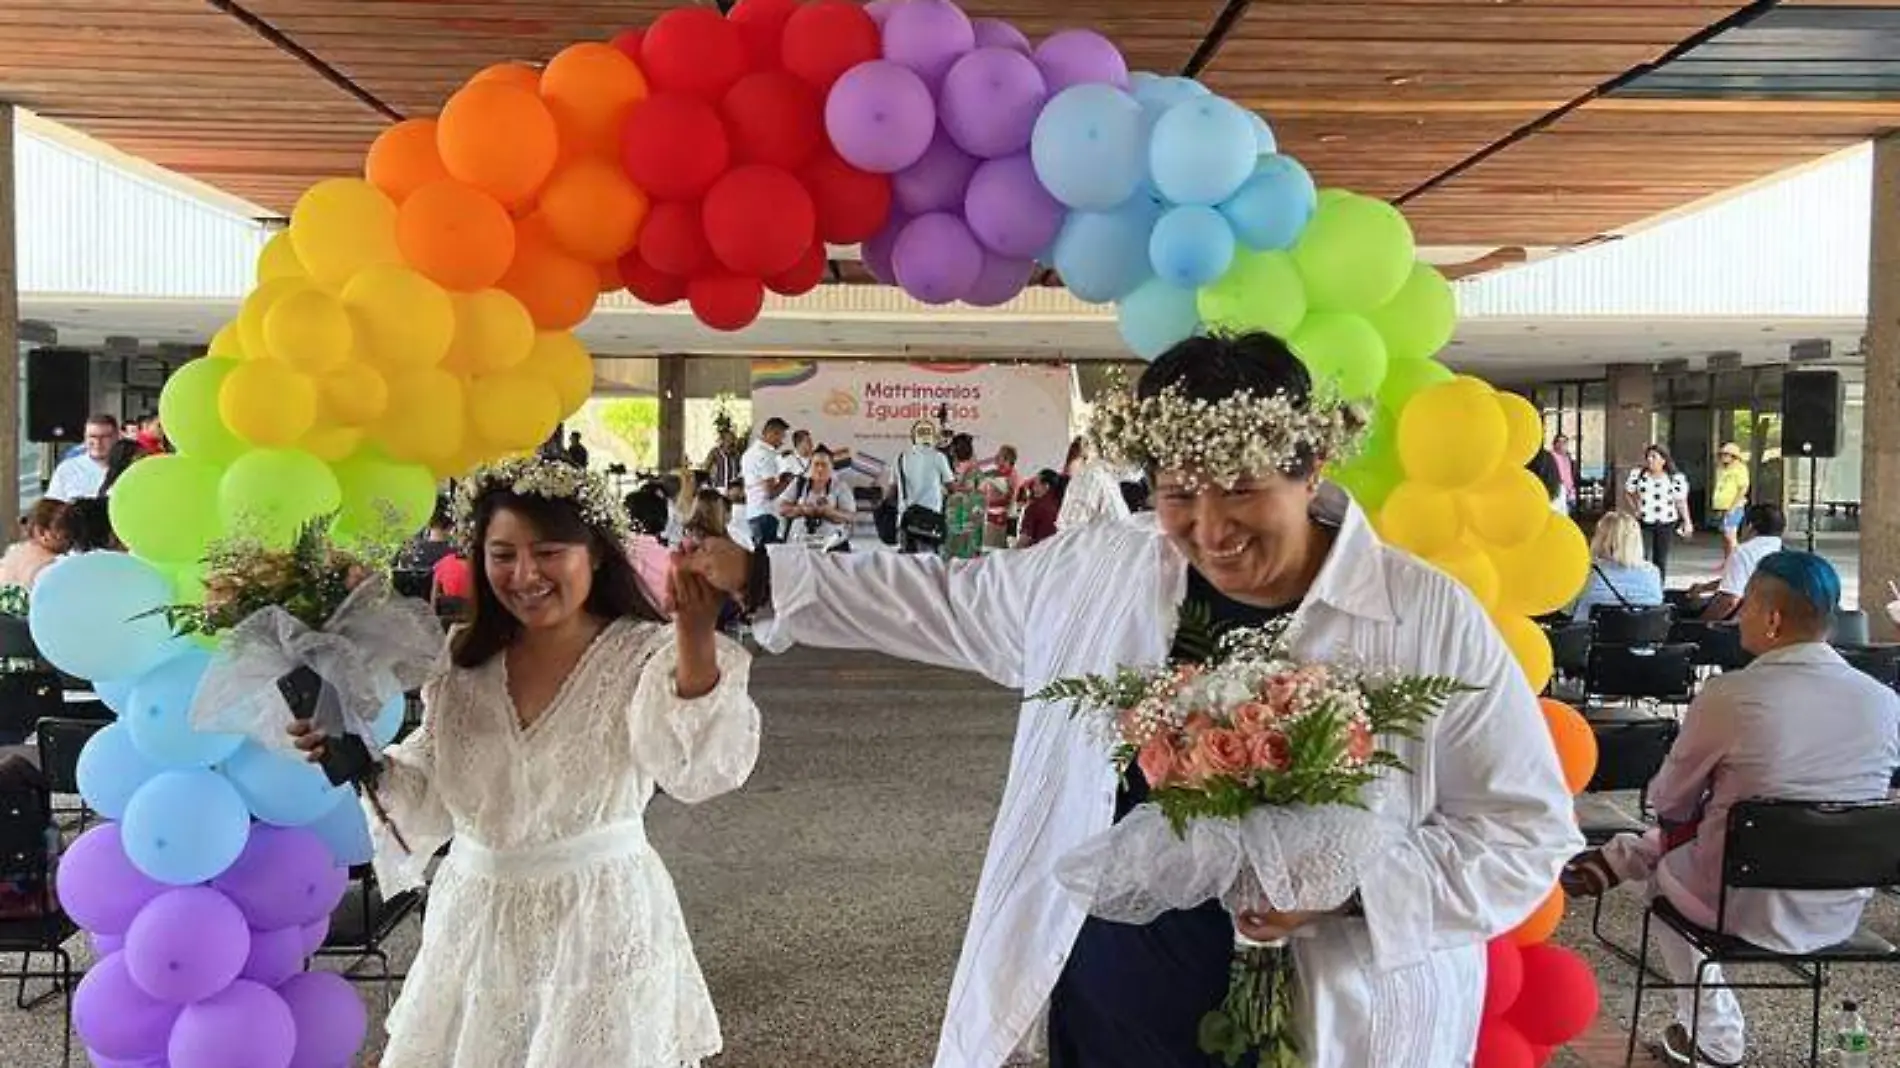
point(1262, 771)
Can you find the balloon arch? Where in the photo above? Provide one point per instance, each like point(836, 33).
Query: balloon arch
point(416, 321)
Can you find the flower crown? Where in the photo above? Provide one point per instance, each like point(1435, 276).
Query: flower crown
point(1222, 442)
point(530, 476)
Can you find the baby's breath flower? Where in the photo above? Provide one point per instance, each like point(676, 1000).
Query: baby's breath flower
point(531, 476)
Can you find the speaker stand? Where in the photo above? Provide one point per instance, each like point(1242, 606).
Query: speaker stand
point(1813, 491)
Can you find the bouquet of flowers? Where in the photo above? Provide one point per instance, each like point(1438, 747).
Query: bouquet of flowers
point(1261, 772)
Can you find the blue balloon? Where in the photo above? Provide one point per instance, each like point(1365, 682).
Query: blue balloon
point(1088, 147)
point(111, 769)
point(185, 827)
point(1264, 142)
point(1103, 255)
point(1157, 95)
point(346, 832)
point(1156, 317)
point(159, 715)
point(280, 788)
point(1274, 206)
point(115, 694)
point(1202, 150)
point(389, 720)
point(1191, 246)
point(97, 616)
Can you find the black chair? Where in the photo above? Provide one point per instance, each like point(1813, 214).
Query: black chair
point(363, 923)
point(1786, 845)
point(25, 698)
point(412, 582)
point(1664, 673)
point(1645, 625)
point(60, 741)
point(1850, 628)
point(16, 640)
point(26, 834)
point(1570, 648)
point(1882, 662)
point(1718, 645)
point(1629, 754)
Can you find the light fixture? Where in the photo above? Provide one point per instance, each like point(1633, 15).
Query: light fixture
point(1399, 79)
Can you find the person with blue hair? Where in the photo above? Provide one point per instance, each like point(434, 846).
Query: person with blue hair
point(1798, 724)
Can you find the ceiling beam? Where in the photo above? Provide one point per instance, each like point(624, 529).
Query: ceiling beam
point(282, 42)
point(1210, 45)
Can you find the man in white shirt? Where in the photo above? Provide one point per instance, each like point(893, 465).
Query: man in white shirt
point(797, 463)
point(920, 476)
point(81, 476)
point(765, 479)
point(1761, 529)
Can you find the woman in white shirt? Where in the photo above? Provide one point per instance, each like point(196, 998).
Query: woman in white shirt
point(818, 508)
point(1659, 496)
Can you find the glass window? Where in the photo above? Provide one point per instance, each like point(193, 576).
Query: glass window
point(1592, 430)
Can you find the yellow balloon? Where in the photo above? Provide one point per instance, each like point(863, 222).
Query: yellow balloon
point(1473, 569)
point(227, 342)
point(332, 444)
point(1451, 435)
point(308, 329)
point(341, 226)
point(279, 259)
point(1524, 428)
point(402, 318)
point(493, 332)
point(559, 358)
point(1545, 573)
point(1420, 519)
point(1530, 647)
point(256, 308)
point(513, 410)
point(354, 394)
point(1509, 508)
point(267, 403)
point(424, 421)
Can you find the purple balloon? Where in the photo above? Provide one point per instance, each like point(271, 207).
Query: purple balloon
point(880, 117)
point(284, 878)
point(927, 36)
point(990, 101)
point(1001, 279)
point(105, 945)
point(115, 1018)
point(187, 945)
point(244, 1026)
point(879, 10)
point(995, 33)
point(331, 1021)
point(1078, 57)
point(114, 1062)
point(275, 955)
point(876, 253)
point(1008, 209)
point(314, 935)
point(99, 886)
point(936, 182)
point(936, 258)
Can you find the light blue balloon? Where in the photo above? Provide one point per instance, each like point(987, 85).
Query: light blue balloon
point(159, 715)
point(1202, 150)
point(185, 827)
point(1274, 205)
point(1156, 317)
point(388, 722)
point(93, 616)
point(1264, 142)
point(281, 789)
point(1103, 255)
point(115, 694)
point(1191, 246)
point(1160, 94)
point(346, 832)
point(1088, 147)
point(112, 769)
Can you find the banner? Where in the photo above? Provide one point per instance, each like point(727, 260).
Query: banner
point(869, 407)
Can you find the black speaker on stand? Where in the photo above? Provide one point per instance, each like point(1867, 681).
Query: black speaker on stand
point(1811, 406)
point(58, 394)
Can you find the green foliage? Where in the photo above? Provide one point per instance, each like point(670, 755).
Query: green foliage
point(310, 580)
point(635, 421)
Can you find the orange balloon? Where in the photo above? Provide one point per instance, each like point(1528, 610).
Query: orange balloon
point(610, 280)
point(456, 235)
point(589, 87)
point(499, 138)
point(593, 210)
point(519, 75)
point(1542, 923)
point(403, 159)
point(558, 290)
point(1576, 743)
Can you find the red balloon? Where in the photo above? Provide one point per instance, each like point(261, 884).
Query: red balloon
point(852, 204)
point(1504, 976)
point(1502, 1046)
point(1560, 996)
point(674, 146)
point(648, 283)
point(673, 240)
point(1541, 1055)
point(726, 301)
point(759, 221)
point(825, 39)
point(693, 50)
point(804, 277)
point(628, 42)
point(774, 119)
point(761, 25)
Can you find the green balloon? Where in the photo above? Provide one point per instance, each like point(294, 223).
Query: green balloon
point(165, 508)
point(270, 493)
point(1344, 348)
point(1260, 292)
point(189, 408)
point(383, 501)
point(1404, 378)
point(1419, 320)
point(1354, 254)
point(1372, 473)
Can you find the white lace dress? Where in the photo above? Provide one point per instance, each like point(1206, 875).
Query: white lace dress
point(554, 938)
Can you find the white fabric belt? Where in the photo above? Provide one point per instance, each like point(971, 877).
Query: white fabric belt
point(547, 860)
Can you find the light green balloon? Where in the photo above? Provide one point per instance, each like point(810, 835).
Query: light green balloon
point(189, 408)
point(1260, 292)
point(1372, 474)
point(383, 501)
point(1404, 378)
point(1343, 348)
point(165, 508)
point(271, 493)
point(1354, 254)
point(1419, 320)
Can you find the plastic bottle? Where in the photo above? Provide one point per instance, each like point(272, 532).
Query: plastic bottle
point(1853, 1046)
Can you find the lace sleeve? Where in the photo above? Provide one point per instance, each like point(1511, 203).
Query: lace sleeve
point(700, 748)
point(408, 821)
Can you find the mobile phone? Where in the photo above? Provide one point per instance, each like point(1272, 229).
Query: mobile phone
point(345, 759)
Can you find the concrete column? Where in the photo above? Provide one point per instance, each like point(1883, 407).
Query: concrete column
point(9, 335)
point(1632, 400)
point(1880, 435)
point(672, 381)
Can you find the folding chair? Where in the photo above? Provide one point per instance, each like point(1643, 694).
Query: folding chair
point(1794, 846)
point(362, 924)
point(26, 835)
point(1618, 625)
point(412, 582)
point(60, 741)
point(1882, 662)
point(1662, 673)
point(1629, 754)
point(1850, 628)
point(1570, 648)
point(25, 698)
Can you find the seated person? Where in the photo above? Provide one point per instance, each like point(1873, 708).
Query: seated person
point(652, 560)
point(819, 506)
point(1798, 724)
point(1713, 602)
point(428, 548)
point(1039, 515)
point(1619, 575)
point(454, 582)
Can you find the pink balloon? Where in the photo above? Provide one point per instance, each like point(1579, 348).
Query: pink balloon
point(937, 181)
point(1009, 211)
point(330, 1018)
point(99, 886)
point(995, 33)
point(927, 36)
point(999, 281)
point(1078, 57)
point(937, 259)
point(990, 102)
point(880, 116)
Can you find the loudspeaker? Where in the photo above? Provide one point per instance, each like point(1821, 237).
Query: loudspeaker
point(58, 394)
point(1811, 403)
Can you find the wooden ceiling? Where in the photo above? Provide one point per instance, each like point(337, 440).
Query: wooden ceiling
point(1498, 123)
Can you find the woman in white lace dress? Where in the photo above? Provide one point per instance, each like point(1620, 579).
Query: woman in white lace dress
point(553, 937)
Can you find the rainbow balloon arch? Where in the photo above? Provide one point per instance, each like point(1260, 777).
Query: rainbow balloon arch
point(417, 321)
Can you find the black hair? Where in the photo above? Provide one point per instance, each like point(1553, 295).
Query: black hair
point(88, 525)
point(775, 423)
point(824, 451)
point(615, 594)
point(1135, 496)
point(442, 517)
point(1766, 519)
point(1669, 462)
point(799, 436)
point(646, 506)
point(962, 448)
point(1048, 477)
point(124, 453)
point(1544, 466)
point(1075, 451)
point(1216, 367)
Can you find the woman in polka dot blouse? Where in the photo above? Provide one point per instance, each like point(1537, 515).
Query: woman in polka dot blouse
point(1659, 496)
